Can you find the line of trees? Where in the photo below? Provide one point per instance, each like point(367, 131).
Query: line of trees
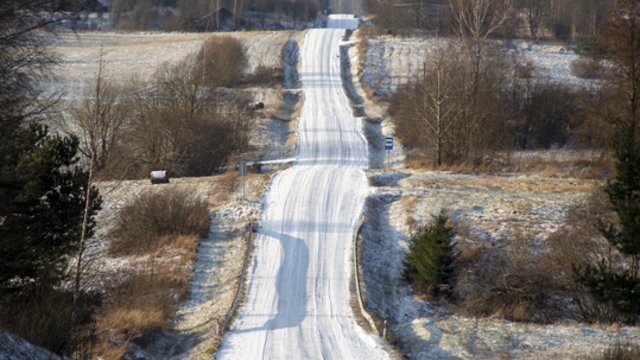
point(189, 15)
point(615, 283)
point(472, 99)
point(595, 259)
point(43, 191)
point(562, 19)
point(177, 121)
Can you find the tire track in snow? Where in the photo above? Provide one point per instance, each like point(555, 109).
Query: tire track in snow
point(297, 305)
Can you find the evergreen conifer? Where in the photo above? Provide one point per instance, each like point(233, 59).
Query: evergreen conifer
point(430, 264)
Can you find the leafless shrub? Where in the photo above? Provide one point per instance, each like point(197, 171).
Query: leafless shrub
point(142, 224)
point(449, 115)
point(545, 114)
point(364, 34)
point(179, 126)
point(587, 68)
point(578, 244)
point(511, 281)
point(224, 62)
point(620, 351)
point(98, 120)
point(265, 76)
point(45, 317)
point(525, 69)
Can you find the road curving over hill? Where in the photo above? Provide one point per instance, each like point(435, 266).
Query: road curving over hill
point(297, 303)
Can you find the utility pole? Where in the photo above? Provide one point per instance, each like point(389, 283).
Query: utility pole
point(204, 61)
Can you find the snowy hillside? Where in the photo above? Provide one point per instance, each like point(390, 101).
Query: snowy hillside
point(13, 347)
point(392, 61)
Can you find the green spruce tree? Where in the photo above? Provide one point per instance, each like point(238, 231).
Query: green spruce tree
point(42, 191)
point(430, 264)
point(608, 283)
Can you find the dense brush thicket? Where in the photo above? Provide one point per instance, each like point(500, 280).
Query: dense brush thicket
point(142, 224)
point(178, 121)
point(455, 116)
point(205, 15)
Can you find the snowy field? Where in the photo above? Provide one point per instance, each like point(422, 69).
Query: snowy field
point(393, 61)
point(488, 208)
point(139, 55)
point(217, 266)
point(491, 208)
point(218, 262)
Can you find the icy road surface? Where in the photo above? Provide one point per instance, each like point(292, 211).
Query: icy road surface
point(297, 305)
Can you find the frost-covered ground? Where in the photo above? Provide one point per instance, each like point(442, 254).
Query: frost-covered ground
point(393, 61)
point(216, 268)
point(492, 208)
point(15, 348)
point(219, 258)
point(139, 55)
point(552, 62)
point(127, 55)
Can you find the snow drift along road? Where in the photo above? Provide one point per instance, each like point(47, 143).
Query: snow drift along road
point(297, 306)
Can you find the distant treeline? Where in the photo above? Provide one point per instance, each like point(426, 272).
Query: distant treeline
point(560, 19)
point(207, 15)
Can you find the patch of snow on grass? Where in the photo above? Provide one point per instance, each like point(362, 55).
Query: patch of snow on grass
point(393, 61)
point(16, 348)
point(491, 207)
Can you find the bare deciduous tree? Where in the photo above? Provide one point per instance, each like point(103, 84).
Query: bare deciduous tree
point(178, 125)
point(224, 61)
point(534, 11)
point(24, 62)
point(475, 21)
point(621, 40)
point(99, 119)
point(439, 112)
point(441, 90)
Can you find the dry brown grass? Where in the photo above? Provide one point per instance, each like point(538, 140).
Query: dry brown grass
point(146, 301)
point(222, 187)
point(371, 94)
point(265, 76)
point(619, 351)
point(560, 165)
point(587, 68)
point(363, 33)
point(512, 281)
point(163, 229)
point(418, 160)
point(409, 203)
point(557, 164)
point(143, 223)
point(130, 322)
point(118, 327)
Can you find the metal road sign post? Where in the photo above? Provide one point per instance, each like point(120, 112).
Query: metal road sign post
point(242, 168)
point(388, 146)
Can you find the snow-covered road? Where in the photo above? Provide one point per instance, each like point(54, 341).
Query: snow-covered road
point(297, 305)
